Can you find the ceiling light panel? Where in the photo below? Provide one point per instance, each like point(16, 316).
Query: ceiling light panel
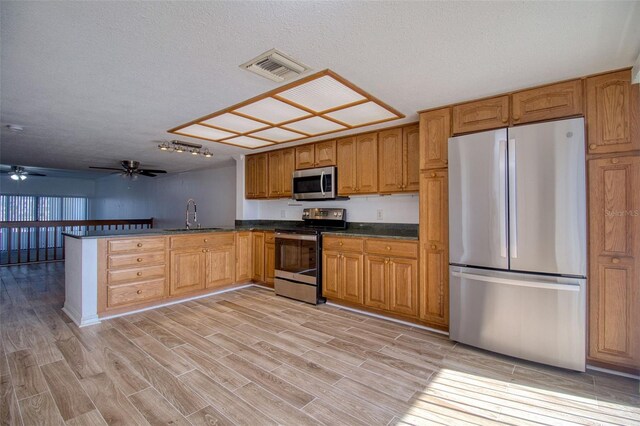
point(318, 104)
point(235, 123)
point(204, 132)
point(322, 94)
point(247, 142)
point(315, 126)
point(277, 134)
point(369, 112)
point(272, 111)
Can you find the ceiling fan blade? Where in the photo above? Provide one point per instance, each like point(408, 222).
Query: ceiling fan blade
point(35, 174)
point(153, 171)
point(146, 173)
point(105, 168)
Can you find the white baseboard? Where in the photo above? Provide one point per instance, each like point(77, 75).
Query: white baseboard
point(614, 372)
point(173, 302)
point(77, 318)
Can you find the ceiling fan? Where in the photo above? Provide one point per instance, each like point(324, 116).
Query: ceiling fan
point(19, 173)
point(131, 169)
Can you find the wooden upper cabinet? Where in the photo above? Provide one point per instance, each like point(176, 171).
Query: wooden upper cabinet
point(275, 174)
point(325, 153)
point(411, 158)
point(548, 102)
point(256, 176)
point(288, 166)
point(366, 163)
point(614, 261)
point(435, 129)
point(481, 115)
point(305, 157)
point(613, 113)
point(346, 150)
point(390, 159)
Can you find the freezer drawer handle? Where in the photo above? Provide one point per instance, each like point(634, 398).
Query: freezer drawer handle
point(534, 284)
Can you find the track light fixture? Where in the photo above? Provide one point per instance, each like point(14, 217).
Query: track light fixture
point(180, 146)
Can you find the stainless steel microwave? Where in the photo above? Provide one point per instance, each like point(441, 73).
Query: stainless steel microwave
point(315, 184)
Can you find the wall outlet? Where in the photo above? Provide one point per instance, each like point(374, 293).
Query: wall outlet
point(283, 214)
point(379, 214)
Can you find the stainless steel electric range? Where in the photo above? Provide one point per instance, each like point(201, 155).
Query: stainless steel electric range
point(298, 266)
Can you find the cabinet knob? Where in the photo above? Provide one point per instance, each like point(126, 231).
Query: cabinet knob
point(341, 243)
point(139, 259)
point(445, 161)
point(516, 117)
point(593, 146)
point(386, 261)
point(615, 260)
point(139, 292)
point(139, 274)
point(204, 250)
point(505, 119)
point(388, 248)
point(206, 241)
point(433, 175)
point(433, 247)
point(614, 160)
point(139, 244)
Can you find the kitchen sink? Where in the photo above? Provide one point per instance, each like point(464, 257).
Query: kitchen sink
point(190, 230)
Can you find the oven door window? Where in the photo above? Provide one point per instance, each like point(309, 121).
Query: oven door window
point(296, 256)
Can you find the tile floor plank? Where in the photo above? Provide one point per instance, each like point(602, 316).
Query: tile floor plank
point(26, 377)
point(157, 410)
point(40, 410)
point(66, 391)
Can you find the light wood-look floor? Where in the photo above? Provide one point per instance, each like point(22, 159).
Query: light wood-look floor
point(248, 357)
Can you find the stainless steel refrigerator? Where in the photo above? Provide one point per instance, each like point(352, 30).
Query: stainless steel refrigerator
point(518, 249)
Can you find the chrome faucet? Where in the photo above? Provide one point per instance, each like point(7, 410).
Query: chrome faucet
point(195, 213)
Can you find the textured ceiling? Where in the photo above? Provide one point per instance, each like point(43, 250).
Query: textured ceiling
point(94, 82)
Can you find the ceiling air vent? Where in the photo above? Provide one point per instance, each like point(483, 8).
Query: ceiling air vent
point(275, 66)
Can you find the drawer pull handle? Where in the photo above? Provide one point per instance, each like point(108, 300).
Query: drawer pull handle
point(139, 244)
point(615, 260)
point(139, 292)
point(139, 274)
point(139, 259)
point(388, 248)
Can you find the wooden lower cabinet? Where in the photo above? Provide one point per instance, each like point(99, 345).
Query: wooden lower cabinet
point(244, 253)
point(391, 284)
point(342, 276)
point(270, 263)
point(220, 266)
point(376, 282)
point(258, 269)
point(188, 269)
point(614, 269)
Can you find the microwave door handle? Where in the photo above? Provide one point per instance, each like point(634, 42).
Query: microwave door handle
point(322, 183)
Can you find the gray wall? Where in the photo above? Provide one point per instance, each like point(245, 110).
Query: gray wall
point(45, 185)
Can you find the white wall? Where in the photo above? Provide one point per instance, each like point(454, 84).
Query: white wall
point(46, 185)
point(398, 208)
point(164, 197)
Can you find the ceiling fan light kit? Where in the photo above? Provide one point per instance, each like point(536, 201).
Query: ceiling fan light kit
point(18, 173)
point(180, 146)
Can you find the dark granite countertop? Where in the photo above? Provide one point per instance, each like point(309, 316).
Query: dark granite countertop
point(370, 230)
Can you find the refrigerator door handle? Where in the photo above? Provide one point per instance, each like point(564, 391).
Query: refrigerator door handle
point(503, 198)
point(513, 200)
point(520, 283)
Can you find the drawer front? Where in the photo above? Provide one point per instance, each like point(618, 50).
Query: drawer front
point(127, 294)
point(136, 244)
point(136, 274)
point(135, 259)
point(269, 237)
point(392, 248)
point(342, 244)
point(202, 240)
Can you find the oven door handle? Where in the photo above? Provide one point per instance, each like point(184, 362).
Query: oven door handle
point(295, 236)
point(322, 183)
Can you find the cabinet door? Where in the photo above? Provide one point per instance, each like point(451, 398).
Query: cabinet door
point(331, 274)
point(376, 282)
point(187, 271)
point(548, 102)
point(275, 174)
point(403, 286)
point(261, 176)
point(220, 266)
point(243, 257)
point(351, 277)
point(435, 129)
point(411, 158)
point(305, 157)
point(270, 263)
point(325, 154)
point(613, 113)
point(346, 161)
point(288, 166)
point(614, 283)
point(390, 161)
point(434, 268)
point(480, 115)
point(366, 163)
point(250, 177)
point(257, 242)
